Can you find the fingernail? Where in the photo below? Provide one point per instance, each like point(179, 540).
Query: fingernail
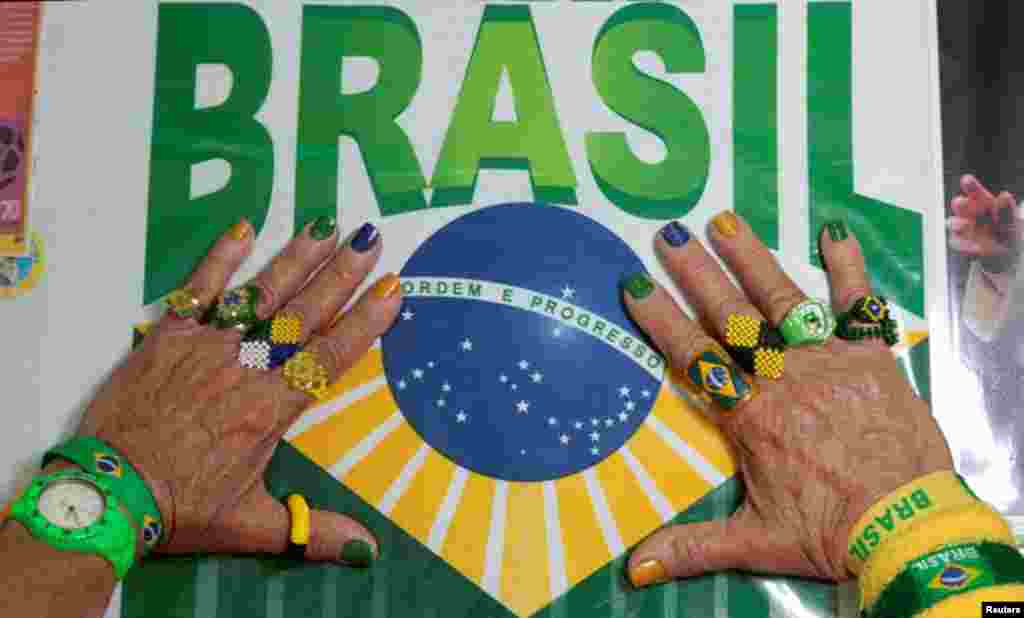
point(727, 224)
point(970, 183)
point(837, 230)
point(647, 573)
point(323, 228)
point(365, 238)
point(357, 553)
point(240, 230)
point(387, 286)
point(675, 234)
point(639, 286)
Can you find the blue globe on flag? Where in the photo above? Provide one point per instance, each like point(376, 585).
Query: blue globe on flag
point(514, 355)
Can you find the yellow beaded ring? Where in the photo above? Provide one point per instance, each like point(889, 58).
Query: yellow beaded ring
point(304, 372)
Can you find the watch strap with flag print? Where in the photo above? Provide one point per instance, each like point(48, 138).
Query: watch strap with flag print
point(98, 458)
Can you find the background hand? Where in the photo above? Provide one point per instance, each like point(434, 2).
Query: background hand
point(815, 449)
point(982, 224)
point(201, 429)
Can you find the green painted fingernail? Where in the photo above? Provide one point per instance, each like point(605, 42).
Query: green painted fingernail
point(323, 228)
point(357, 553)
point(837, 230)
point(639, 286)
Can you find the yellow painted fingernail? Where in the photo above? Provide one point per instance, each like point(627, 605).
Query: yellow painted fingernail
point(239, 231)
point(647, 573)
point(727, 224)
point(387, 286)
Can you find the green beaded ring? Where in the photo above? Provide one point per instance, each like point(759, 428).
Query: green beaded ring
point(237, 308)
point(809, 323)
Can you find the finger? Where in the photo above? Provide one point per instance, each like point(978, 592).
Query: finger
point(349, 339)
point(695, 549)
point(682, 341)
point(959, 225)
point(703, 282)
point(214, 272)
point(847, 273)
point(262, 525)
point(979, 199)
point(289, 271)
point(765, 283)
point(332, 287)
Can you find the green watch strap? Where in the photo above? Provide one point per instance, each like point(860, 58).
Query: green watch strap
point(96, 457)
point(111, 537)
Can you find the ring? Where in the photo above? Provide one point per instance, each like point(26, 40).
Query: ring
point(298, 535)
point(756, 346)
point(868, 318)
point(183, 303)
point(713, 374)
point(237, 308)
point(304, 372)
point(809, 323)
point(268, 344)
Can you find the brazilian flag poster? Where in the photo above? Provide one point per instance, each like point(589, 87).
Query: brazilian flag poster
point(514, 434)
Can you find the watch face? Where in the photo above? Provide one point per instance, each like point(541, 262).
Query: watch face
point(71, 504)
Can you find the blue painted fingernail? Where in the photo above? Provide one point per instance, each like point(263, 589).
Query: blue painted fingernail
point(365, 238)
point(675, 234)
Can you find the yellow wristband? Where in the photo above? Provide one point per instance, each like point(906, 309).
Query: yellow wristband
point(972, 523)
point(903, 508)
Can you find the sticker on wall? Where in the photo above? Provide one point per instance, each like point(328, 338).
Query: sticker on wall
point(21, 275)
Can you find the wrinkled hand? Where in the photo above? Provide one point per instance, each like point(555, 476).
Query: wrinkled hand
point(200, 428)
point(984, 225)
point(815, 449)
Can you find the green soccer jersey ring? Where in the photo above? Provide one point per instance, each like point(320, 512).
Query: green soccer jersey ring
point(237, 308)
point(809, 323)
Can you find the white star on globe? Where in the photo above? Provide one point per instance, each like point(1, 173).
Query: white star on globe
point(594, 436)
point(503, 378)
point(552, 421)
point(461, 417)
point(608, 422)
point(430, 365)
point(646, 394)
point(446, 387)
point(537, 376)
point(524, 365)
point(594, 422)
point(557, 332)
point(623, 417)
point(441, 403)
point(515, 387)
point(578, 425)
point(564, 439)
point(417, 373)
point(523, 407)
point(401, 385)
point(624, 391)
point(568, 292)
point(467, 345)
point(630, 406)
point(407, 315)
point(594, 451)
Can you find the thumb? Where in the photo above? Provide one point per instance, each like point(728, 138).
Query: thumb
point(262, 524)
point(695, 549)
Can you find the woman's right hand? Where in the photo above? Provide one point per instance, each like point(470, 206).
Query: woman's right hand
point(979, 225)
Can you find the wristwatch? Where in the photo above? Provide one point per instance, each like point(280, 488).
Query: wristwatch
point(78, 511)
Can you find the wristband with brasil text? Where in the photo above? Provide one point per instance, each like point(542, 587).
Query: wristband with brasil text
point(952, 570)
point(96, 457)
